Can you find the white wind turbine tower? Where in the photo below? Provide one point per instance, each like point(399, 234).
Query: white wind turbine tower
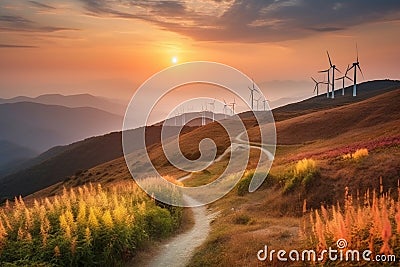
point(183, 116)
point(233, 106)
point(327, 84)
point(333, 67)
point(212, 109)
point(203, 120)
point(265, 101)
point(252, 90)
point(355, 66)
point(344, 77)
point(257, 101)
point(225, 105)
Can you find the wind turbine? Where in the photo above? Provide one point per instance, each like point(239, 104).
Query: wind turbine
point(316, 87)
point(327, 84)
point(203, 121)
point(257, 101)
point(183, 116)
point(252, 95)
point(225, 105)
point(344, 77)
point(233, 106)
point(355, 66)
point(333, 67)
point(213, 109)
point(265, 101)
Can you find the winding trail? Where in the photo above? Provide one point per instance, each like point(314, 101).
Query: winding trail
point(178, 251)
point(236, 143)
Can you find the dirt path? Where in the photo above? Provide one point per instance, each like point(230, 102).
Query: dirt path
point(179, 250)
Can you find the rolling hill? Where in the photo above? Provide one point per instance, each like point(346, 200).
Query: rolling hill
point(12, 155)
point(60, 162)
point(40, 127)
point(317, 129)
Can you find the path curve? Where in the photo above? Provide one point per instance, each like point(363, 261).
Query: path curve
point(178, 251)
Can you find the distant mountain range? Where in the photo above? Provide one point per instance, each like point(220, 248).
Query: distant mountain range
point(72, 101)
point(39, 127)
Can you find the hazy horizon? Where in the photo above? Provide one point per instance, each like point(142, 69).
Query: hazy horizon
point(108, 48)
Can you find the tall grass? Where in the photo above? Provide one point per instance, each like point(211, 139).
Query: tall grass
point(358, 154)
point(85, 226)
point(303, 174)
point(369, 222)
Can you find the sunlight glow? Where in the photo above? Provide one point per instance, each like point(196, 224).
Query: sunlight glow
point(174, 60)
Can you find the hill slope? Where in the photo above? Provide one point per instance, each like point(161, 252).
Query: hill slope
point(12, 155)
point(61, 162)
point(307, 128)
point(40, 127)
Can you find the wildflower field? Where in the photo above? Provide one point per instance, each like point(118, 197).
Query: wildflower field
point(368, 222)
point(85, 226)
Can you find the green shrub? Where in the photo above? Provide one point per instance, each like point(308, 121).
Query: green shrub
point(242, 219)
point(303, 174)
point(244, 183)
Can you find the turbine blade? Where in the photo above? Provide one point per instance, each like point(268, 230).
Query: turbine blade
point(360, 71)
point(314, 80)
point(323, 71)
point(330, 61)
point(357, 51)
point(347, 70)
point(338, 70)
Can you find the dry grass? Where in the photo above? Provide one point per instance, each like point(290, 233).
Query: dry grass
point(305, 166)
point(360, 153)
point(369, 222)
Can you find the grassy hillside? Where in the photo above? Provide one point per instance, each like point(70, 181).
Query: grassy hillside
point(326, 133)
point(276, 214)
point(62, 162)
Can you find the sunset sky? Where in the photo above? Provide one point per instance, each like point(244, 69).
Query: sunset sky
point(109, 47)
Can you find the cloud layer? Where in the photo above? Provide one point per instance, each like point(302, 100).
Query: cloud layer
point(220, 20)
point(249, 20)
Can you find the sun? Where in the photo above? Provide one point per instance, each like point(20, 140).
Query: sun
point(174, 60)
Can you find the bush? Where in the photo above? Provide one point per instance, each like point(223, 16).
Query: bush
point(159, 222)
point(82, 227)
point(304, 174)
point(242, 219)
point(244, 183)
point(305, 166)
point(360, 153)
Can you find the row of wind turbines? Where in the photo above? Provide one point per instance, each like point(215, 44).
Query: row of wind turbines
point(253, 90)
point(228, 108)
point(330, 89)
